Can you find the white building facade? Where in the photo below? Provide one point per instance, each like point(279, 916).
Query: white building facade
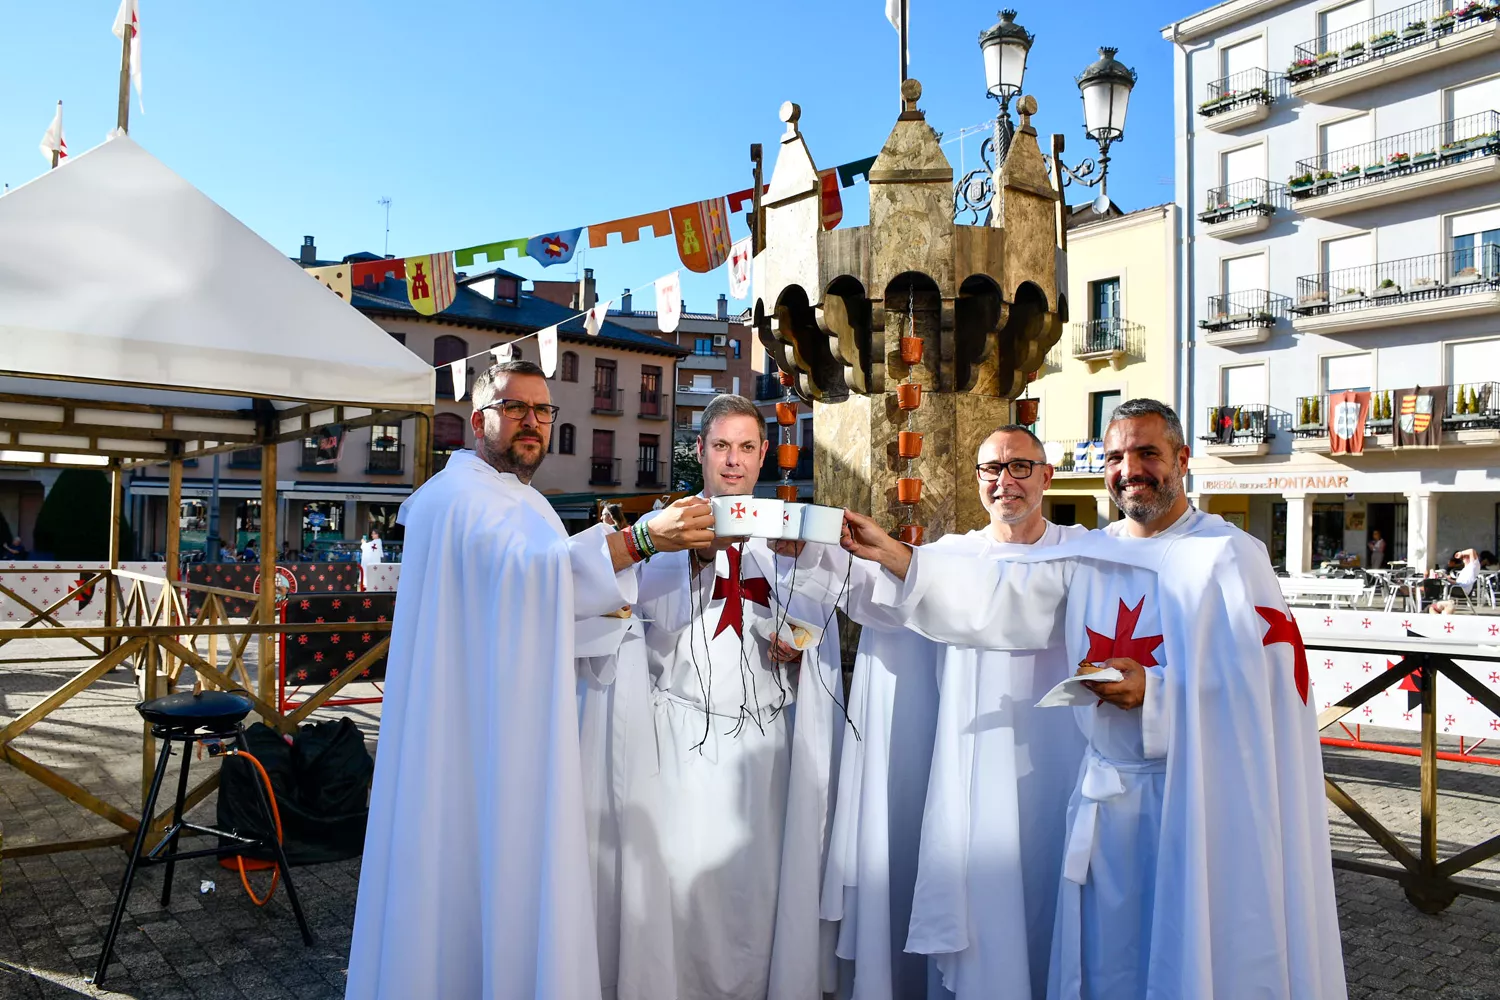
point(1338, 164)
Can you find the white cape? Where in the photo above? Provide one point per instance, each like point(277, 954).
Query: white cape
point(474, 884)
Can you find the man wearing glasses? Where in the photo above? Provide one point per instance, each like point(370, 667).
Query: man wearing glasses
point(980, 892)
point(1197, 859)
point(475, 877)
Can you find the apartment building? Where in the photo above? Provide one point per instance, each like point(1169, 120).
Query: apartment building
point(1118, 346)
point(613, 438)
point(1337, 165)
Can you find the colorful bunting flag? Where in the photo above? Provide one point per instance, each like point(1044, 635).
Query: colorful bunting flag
point(850, 173)
point(669, 301)
point(546, 342)
point(596, 316)
point(503, 353)
point(739, 268)
point(630, 229)
point(430, 285)
point(833, 202)
point(702, 230)
point(374, 272)
point(738, 198)
point(52, 139)
point(493, 253)
point(335, 276)
point(460, 370)
point(553, 248)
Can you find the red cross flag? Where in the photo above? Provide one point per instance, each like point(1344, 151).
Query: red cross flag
point(52, 140)
point(669, 301)
point(129, 16)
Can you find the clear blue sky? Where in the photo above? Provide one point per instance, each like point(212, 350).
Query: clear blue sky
point(486, 120)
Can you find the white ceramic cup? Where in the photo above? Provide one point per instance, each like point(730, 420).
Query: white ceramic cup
point(747, 517)
point(791, 519)
point(822, 524)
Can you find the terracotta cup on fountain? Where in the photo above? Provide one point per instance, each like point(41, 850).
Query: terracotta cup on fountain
point(909, 490)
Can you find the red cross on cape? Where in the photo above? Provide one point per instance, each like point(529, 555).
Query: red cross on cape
point(1124, 642)
point(733, 592)
point(1282, 627)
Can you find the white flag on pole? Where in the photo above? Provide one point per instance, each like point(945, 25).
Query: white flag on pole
point(596, 316)
point(546, 341)
point(893, 15)
point(53, 140)
point(460, 370)
point(739, 268)
point(669, 301)
point(130, 13)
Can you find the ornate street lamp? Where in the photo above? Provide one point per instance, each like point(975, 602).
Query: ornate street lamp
point(1004, 47)
point(1105, 87)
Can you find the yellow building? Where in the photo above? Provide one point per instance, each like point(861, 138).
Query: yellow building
point(1117, 345)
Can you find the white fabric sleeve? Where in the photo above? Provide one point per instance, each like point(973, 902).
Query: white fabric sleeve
point(872, 593)
point(816, 575)
point(1154, 734)
point(977, 600)
point(664, 596)
point(597, 588)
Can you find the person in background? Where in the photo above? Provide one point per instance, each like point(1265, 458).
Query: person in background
point(13, 549)
point(1486, 559)
point(1376, 545)
point(287, 555)
point(250, 553)
point(612, 516)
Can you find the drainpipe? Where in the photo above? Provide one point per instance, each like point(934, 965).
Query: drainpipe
point(1186, 272)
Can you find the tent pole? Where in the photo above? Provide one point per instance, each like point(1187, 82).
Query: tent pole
point(116, 512)
point(268, 550)
point(123, 118)
point(421, 458)
point(174, 516)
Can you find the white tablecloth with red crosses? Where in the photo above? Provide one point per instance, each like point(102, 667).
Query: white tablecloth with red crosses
point(1336, 674)
point(44, 583)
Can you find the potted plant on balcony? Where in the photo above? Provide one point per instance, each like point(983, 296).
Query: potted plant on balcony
point(1484, 143)
point(1301, 69)
point(1443, 23)
point(1354, 50)
point(1326, 59)
point(1386, 289)
point(1312, 300)
point(1300, 184)
point(1349, 172)
point(1473, 9)
point(1263, 318)
point(1466, 276)
point(1416, 29)
point(1374, 169)
point(1348, 295)
point(1324, 180)
point(1429, 156)
point(1383, 40)
point(1397, 160)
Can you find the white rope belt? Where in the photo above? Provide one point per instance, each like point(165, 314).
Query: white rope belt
point(1101, 783)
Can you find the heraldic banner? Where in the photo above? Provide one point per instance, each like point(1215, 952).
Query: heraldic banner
point(1347, 413)
point(1419, 416)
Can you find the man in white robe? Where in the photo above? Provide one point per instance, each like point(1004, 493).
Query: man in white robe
point(1197, 861)
point(980, 892)
point(474, 883)
point(720, 772)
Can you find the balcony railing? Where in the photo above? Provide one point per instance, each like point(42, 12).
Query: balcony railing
point(1244, 424)
point(1469, 406)
point(651, 404)
point(604, 471)
point(607, 400)
point(1252, 308)
point(1084, 457)
point(1250, 86)
point(1452, 141)
point(1389, 32)
point(1111, 335)
point(768, 386)
point(1254, 196)
point(1434, 276)
point(648, 473)
point(710, 390)
point(384, 461)
point(245, 458)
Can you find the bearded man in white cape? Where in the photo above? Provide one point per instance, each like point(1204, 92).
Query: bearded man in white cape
point(713, 764)
point(979, 894)
point(474, 883)
point(1197, 861)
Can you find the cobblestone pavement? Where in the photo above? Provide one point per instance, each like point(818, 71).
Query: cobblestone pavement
point(54, 908)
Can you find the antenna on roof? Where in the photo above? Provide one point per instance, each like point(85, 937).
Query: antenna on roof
point(386, 202)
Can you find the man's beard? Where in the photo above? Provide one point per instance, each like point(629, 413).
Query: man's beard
point(510, 459)
point(1140, 509)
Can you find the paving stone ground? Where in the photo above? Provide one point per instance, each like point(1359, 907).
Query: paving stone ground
point(54, 908)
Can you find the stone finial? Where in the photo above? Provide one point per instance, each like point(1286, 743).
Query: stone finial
point(911, 93)
point(1026, 108)
point(791, 113)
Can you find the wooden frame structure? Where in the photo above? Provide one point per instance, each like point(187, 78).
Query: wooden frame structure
point(1429, 882)
point(157, 638)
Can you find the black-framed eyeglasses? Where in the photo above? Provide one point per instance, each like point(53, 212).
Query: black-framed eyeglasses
point(1019, 468)
point(517, 409)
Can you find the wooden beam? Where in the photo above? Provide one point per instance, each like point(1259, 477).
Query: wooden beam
point(49, 613)
point(75, 428)
point(59, 846)
point(72, 791)
point(198, 663)
point(174, 519)
point(156, 631)
point(1372, 826)
point(212, 413)
point(116, 511)
point(267, 610)
point(72, 687)
point(421, 450)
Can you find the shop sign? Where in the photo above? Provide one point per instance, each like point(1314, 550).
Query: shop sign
point(1272, 484)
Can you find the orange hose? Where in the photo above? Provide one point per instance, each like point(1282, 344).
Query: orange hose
point(276, 815)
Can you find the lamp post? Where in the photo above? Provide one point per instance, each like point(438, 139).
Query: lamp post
point(1105, 87)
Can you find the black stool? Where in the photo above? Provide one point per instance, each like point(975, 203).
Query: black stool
point(188, 718)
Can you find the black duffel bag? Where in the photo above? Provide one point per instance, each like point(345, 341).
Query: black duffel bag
point(322, 785)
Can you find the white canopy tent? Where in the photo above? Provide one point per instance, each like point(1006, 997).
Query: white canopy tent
point(140, 323)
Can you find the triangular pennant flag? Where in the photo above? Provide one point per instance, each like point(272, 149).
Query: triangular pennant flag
point(493, 253)
point(460, 370)
point(833, 202)
point(546, 342)
point(374, 272)
point(430, 285)
point(503, 353)
point(702, 230)
point(851, 172)
point(553, 248)
point(53, 141)
point(335, 276)
point(739, 268)
point(596, 316)
point(669, 301)
point(130, 13)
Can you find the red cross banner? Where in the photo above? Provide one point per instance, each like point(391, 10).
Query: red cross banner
point(669, 301)
point(702, 232)
point(1347, 413)
point(430, 284)
point(739, 268)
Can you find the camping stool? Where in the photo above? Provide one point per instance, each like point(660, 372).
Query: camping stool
point(188, 718)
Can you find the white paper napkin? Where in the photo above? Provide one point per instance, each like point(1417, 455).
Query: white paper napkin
point(1072, 692)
